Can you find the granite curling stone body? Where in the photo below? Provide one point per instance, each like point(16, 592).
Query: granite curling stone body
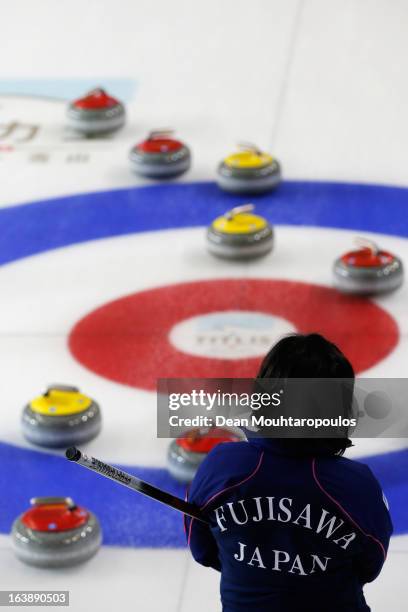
point(55, 532)
point(368, 270)
point(160, 156)
point(186, 453)
point(240, 234)
point(249, 171)
point(61, 417)
point(96, 113)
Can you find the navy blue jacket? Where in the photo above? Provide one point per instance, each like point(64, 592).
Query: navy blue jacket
point(288, 533)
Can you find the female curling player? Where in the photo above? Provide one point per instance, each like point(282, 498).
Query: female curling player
point(293, 526)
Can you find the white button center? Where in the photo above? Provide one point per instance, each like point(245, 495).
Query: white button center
point(232, 334)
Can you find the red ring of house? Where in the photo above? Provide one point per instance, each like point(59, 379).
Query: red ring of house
point(127, 340)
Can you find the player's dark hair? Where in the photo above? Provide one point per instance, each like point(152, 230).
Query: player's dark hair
point(309, 356)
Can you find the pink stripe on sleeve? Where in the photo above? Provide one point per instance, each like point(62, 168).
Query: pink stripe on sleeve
point(251, 475)
point(189, 531)
point(238, 484)
point(368, 535)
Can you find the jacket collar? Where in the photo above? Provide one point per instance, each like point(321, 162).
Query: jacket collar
point(271, 445)
point(284, 447)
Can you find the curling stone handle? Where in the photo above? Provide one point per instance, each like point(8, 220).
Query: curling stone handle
point(45, 501)
point(367, 243)
point(160, 133)
point(58, 387)
point(249, 146)
point(238, 210)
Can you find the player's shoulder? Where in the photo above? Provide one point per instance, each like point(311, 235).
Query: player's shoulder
point(357, 468)
point(353, 487)
point(225, 466)
point(353, 474)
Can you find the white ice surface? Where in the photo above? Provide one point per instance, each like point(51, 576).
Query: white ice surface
point(151, 580)
point(34, 346)
point(323, 84)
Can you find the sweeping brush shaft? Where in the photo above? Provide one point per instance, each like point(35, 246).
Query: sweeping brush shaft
point(134, 483)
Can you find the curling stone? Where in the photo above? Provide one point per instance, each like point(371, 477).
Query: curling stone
point(160, 156)
point(61, 417)
point(55, 532)
point(239, 234)
point(96, 113)
point(250, 171)
point(187, 453)
point(367, 270)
